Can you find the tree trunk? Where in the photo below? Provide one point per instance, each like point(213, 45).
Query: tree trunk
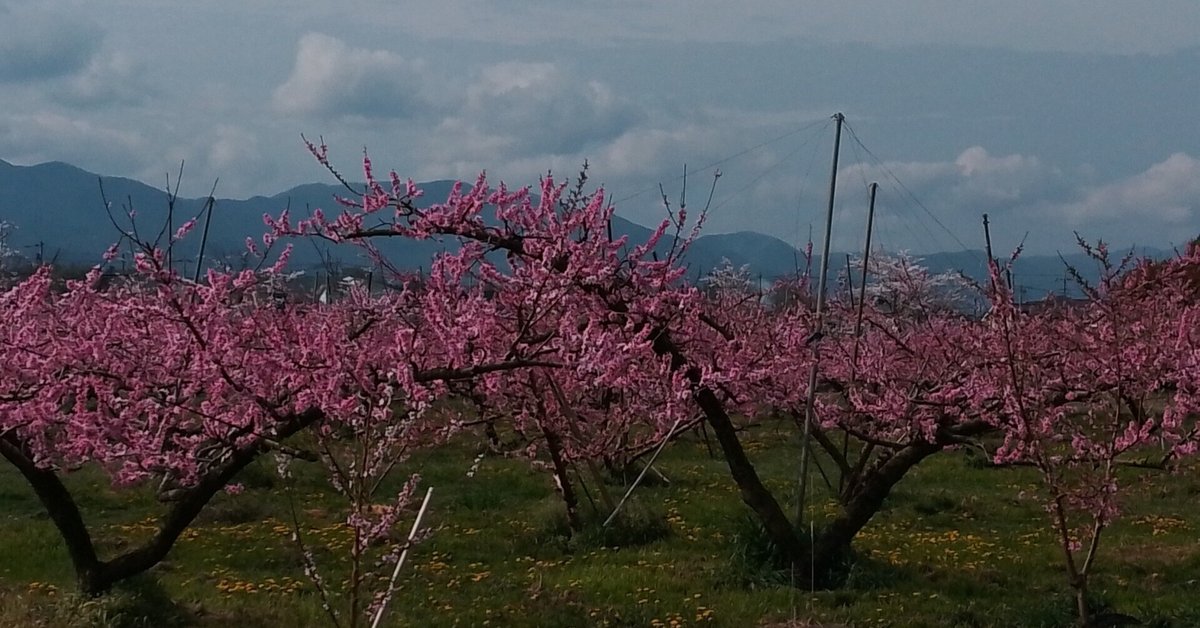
point(563, 479)
point(861, 500)
point(1081, 605)
point(94, 576)
point(753, 492)
point(62, 510)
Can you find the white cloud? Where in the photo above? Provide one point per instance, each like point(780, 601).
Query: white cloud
point(519, 109)
point(330, 78)
point(757, 190)
point(1167, 193)
point(1026, 197)
point(975, 161)
point(975, 182)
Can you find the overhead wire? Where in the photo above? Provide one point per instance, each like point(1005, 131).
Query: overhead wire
point(728, 158)
point(884, 227)
point(794, 236)
point(911, 196)
point(930, 241)
point(763, 173)
point(884, 236)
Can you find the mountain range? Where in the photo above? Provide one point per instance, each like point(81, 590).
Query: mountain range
point(59, 212)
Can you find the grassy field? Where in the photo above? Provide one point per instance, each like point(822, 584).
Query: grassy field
point(957, 545)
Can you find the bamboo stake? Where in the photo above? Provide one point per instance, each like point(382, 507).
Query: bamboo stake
point(636, 482)
point(412, 534)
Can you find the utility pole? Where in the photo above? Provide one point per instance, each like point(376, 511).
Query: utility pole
point(987, 238)
point(858, 314)
point(862, 280)
point(806, 437)
point(850, 280)
point(204, 238)
point(41, 251)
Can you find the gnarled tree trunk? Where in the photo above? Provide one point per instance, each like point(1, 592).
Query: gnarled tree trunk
point(94, 576)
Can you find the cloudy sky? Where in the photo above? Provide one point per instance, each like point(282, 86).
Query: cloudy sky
point(1052, 116)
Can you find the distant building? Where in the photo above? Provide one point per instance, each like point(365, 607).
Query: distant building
point(1052, 303)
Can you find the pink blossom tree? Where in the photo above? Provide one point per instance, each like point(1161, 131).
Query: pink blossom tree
point(183, 384)
point(617, 317)
point(1074, 391)
point(723, 354)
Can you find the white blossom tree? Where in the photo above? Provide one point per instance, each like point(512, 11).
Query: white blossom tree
point(901, 284)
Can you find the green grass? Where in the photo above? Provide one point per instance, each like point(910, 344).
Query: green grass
point(957, 545)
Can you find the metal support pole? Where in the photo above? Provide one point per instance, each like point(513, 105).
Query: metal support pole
point(806, 437)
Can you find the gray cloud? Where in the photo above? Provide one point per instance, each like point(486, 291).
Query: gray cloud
point(1072, 25)
point(923, 206)
point(948, 95)
point(36, 45)
point(1061, 25)
point(109, 79)
point(228, 153)
point(47, 136)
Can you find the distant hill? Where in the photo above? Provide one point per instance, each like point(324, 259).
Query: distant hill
point(1035, 276)
point(58, 210)
point(60, 207)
